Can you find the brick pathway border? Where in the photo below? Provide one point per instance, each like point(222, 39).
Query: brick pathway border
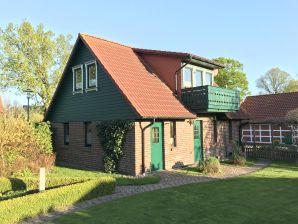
point(168, 179)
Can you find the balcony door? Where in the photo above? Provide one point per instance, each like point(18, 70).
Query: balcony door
point(197, 141)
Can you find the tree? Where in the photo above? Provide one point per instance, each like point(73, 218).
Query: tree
point(292, 86)
point(274, 81)
point(32, 58)
point(232, 76)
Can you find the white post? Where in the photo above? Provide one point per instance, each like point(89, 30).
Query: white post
point(42, 179)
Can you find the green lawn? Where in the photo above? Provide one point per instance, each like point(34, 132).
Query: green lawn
point(120, 179)
point(266, 196)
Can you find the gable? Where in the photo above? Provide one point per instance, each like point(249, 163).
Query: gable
point(148, 95)
point(107, 103)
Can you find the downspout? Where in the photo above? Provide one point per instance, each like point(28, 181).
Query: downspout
point(176, 73)
point(143, 143)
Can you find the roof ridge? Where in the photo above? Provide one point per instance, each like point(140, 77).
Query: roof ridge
point(165, 51)
point(271, 94)
point(100, 38)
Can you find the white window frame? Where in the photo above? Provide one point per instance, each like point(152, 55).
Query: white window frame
point(194, 69)
point(86, 76)
point(74, 79)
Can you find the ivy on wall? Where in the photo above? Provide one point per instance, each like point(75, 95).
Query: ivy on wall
point(112, 135)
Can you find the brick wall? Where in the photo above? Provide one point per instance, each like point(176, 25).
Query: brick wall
point(76, 154)
point(224, 144)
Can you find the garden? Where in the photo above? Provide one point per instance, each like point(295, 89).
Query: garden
point(25, 147)
point(266, 196)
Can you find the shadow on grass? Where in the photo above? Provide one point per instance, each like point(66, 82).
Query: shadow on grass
point(240, 200)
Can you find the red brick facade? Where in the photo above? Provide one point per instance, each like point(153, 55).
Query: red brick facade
point(91, 157)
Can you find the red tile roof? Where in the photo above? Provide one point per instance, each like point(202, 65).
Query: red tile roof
point(272, 107)
point(147, 94)
point(183, 55)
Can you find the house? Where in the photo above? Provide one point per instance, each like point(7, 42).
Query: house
point(265, 119)
point(177, 110)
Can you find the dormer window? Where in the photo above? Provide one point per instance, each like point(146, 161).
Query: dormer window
point(194, 76)
point(208, 78)
point(91, 76)
point(77, 78)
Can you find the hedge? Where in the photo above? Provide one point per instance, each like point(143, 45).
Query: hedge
point(16, 184)
point(18, 209)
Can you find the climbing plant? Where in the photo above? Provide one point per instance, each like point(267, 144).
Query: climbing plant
point(112, 135)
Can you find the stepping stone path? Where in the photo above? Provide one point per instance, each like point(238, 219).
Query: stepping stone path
point(168, 179)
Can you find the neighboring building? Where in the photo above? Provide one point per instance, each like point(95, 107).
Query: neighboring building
point(177, 110)
point(264, 119)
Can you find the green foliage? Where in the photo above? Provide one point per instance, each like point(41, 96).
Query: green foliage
point(232, 76)
point(112, 135)
point(238, 157)
point(32, 183)
point(43, 135)
point(23, 145)
point(274, 81)
point(212, 165)
point(32, 58)
point(292, 86)
point(17, 209)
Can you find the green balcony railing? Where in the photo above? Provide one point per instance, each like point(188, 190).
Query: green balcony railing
point(203, 99)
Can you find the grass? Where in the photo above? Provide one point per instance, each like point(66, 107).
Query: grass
point(267, 196)
point(120, 179)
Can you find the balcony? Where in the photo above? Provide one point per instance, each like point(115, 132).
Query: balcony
point(204, 99)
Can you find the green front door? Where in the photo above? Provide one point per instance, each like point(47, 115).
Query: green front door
point(156, 146)
point(197, 141)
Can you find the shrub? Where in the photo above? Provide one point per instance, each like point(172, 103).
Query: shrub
point(11, 184)
point(238, 157)
point(23, 145)
point(113, 135)
point(212, 165)
point(32, 183)
point(17, 209)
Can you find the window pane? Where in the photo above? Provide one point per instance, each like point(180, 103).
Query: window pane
point(187, 77)
point(198, 78)
point(208, 78)
point(88, 133)
point(66, 133)
point(91, 75)
point(78, 78)
point(155, 135)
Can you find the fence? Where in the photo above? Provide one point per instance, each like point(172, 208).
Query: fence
point(269, 151)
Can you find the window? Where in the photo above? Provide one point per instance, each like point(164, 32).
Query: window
point(77, 78)
point(194, 76)
point(198, 78)
point(196, 132)
point(215, 131)
point(187, 77)
point(155, 135)
point(208, 78)
point(91, 75)
point(230, 131)
point(88, 134)
point(66, 133)
point(173, 133)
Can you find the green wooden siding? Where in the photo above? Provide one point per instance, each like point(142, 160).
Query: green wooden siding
point(203, 99)
point(106, 103)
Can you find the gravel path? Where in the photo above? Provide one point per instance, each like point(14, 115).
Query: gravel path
point(168, 179)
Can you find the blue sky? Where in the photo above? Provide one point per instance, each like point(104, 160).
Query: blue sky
point(260, 34)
